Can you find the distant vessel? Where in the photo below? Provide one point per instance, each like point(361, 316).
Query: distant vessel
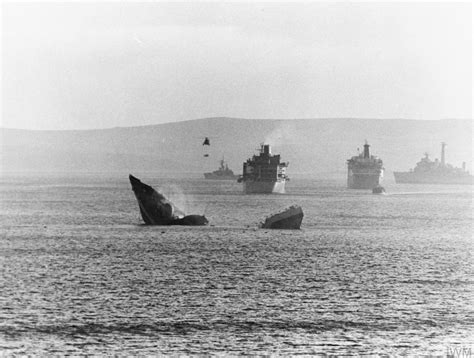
point(428, 171)
point(378, 190)
point(223, 173)
point(364, 171)
point(264, 173)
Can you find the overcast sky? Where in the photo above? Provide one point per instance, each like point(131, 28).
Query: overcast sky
point(98, 65)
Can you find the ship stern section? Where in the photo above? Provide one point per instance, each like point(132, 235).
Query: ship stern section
point(363, 180)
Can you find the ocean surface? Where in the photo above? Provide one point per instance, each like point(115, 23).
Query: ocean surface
point(366, 274)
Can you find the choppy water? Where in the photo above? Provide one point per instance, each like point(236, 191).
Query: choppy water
point(367, 274)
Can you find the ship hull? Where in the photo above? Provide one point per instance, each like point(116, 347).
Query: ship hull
point(363, 180)
point(264, 187)
point(417, 178)
point(290, 218)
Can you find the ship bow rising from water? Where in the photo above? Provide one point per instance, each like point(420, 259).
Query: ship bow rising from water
point(155, 209)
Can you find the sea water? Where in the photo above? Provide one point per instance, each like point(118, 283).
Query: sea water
point(366, 274)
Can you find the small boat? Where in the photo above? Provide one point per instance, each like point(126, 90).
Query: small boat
point(289, 218)
point(378, 190)
point(155, 209)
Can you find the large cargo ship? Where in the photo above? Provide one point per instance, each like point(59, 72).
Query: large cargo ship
point(364, 171)
point(223, 173)
point(428, 171)
point(264, 173)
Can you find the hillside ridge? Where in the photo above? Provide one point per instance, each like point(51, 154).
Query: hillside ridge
point(314, 147)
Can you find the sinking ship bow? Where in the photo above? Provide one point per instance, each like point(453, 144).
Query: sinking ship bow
point(155, 209)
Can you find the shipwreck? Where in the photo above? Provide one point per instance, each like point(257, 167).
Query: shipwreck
point(155, 209)
point(289, 218)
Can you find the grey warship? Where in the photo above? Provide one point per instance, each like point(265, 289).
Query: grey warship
point(429, 171)
point(223, 173)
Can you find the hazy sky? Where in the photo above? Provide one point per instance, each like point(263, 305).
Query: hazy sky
point(97, 65)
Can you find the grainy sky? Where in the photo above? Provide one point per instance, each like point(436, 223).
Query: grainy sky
point(105, 64)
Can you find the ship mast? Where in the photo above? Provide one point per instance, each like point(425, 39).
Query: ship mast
point(443, 144)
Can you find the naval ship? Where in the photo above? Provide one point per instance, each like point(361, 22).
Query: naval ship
point(428, 171)
point(264, 173)
point(223, 173)
point(364, 171)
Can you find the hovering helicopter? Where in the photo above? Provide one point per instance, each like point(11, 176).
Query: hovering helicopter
point(207, 146)
point(207, 142)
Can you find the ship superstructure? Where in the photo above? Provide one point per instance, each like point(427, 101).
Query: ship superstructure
point(364, 171)
point(264, 173)
point(223, 173)
point(429, 171)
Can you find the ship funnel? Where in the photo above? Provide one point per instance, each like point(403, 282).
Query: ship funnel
point(443, 144)
point(266, 149)
point(366, 150)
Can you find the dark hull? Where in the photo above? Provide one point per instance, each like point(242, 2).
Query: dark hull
point(427, 178)
point(290, 219)
point(363, 181)
point(378, 190)
point(264, 187)
point(364, 171)
point(155, 209)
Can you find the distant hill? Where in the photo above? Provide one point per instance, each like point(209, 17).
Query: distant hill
point(314, 147)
